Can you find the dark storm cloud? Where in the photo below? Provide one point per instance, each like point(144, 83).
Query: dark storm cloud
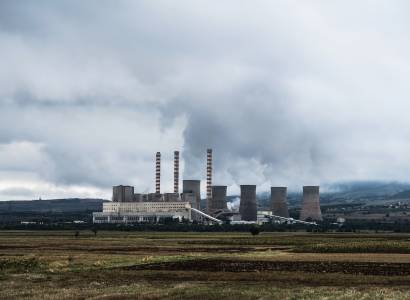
point(286, 93)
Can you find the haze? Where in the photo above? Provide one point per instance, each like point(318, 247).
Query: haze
point(285, 92)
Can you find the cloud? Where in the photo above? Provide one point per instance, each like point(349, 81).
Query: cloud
point(286, 93)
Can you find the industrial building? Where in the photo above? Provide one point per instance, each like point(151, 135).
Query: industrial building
point(123, 193)
point(130, 207)
point(135, 212)
point(247, 206)
point(311, 204)
point(193, 187)
point(279, 201)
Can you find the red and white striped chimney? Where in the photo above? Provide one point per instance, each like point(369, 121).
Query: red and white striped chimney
point(176, 172)
point(158, 173)
point(208, 179)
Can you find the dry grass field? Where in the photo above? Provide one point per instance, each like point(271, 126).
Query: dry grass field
point(138, 265)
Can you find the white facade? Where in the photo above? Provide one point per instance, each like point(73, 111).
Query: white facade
point(261, 216)
point(132, 212)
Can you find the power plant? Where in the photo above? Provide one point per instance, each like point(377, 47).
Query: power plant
point(311, 205)
point(279, 201)
point(130, 207)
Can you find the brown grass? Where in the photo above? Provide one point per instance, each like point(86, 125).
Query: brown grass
point(121, 265)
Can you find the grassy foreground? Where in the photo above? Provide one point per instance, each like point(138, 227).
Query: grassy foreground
point(127, 265)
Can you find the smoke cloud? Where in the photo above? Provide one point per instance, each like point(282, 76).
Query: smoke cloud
point(286, 93)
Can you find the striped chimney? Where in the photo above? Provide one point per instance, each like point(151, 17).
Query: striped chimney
point(176, 172)
point(158, 173)
point(208, 179)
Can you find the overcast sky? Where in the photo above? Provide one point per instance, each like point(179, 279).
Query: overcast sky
point(286, 93)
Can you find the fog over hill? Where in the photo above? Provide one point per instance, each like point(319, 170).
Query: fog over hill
point(347, 191)
point(54, 205)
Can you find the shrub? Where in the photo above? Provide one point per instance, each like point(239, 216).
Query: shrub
point(254, 230)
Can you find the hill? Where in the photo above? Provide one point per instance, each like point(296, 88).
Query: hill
point(53, 205)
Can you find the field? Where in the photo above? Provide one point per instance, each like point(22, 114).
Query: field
point(149, 265)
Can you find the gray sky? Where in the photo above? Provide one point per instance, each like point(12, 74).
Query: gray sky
point(285, 92)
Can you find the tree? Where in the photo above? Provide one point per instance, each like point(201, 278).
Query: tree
point(94, 230)
point(254, 230)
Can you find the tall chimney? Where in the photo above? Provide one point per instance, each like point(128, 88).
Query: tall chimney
point(158, 174)
point(208, 179)
point(176, 172)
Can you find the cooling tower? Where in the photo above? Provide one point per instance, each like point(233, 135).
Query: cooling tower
point(247, 207)
point(279, 201)
point(158, 173)
point(193, 186)
point(218, 198)
point(176, 172)
point(208, 179)
point(311, 205)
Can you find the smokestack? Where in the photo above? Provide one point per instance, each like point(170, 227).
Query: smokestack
point(279, 201)
point(247, 207)
point(208, 179)
point(311, 204)
point(158, 174)
point(176, 172)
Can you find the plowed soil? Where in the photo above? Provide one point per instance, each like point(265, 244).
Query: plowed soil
point(145, 249)
point(210, 265)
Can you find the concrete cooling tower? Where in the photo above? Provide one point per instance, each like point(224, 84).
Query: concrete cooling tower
point(279, 201)
point(311, 204)
point(218, 201)
point(193, 186)
point(247, 207)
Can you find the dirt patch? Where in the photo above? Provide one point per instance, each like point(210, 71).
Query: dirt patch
point(145, 249)
point(187, 250)
point(365, 268)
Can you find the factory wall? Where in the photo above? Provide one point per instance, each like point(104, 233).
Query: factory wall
point(123, 212)
point(171, 197)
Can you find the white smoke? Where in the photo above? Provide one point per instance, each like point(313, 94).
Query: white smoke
point(234, 204)
point(249, 86)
